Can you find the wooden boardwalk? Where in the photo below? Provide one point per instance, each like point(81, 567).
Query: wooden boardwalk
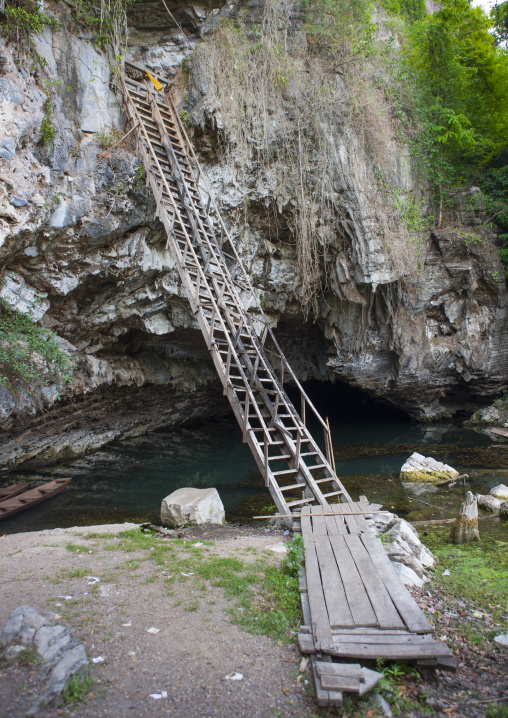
point(354, 605)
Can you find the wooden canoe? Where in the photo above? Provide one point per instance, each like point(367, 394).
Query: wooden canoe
point(15, 504)
point(11, 491)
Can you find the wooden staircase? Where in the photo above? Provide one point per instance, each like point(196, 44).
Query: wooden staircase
point(228, 309)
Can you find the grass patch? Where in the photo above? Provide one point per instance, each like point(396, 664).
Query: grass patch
point(30, 657)
point(77, 689)
point(478, 571)
point(76, 548)
point(266, 598)
point(96, 535)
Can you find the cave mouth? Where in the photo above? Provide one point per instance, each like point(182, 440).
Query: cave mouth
point(345, 404)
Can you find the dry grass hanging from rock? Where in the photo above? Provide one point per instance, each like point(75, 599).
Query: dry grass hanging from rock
point(276, 106)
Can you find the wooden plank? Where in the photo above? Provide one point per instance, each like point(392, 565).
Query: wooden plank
point(366, 632)
point(351, 670)
point(391, 651)
point(386, 612)
point(335, 596)
point(338, 510)
point(499, 432)
point(350, 519)
point(359, 604)
point(360, 517)
point(318, 522)
point(331, 525)
point(306, 643)
point(341, 683)
point(383, 638)
point(405, 604)
point(324, 698)
point(319, 613)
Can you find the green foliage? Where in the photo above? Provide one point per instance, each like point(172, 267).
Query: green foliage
point(184, 116)
point(47, 125)
point(23, 18)
point(499, 16)
point(107, 139)
point(295, 556)
point(494, 183)
point(478, 571)
point(341, 30)
point(107, 19)
point(78, 688)
point(29, 353)
point(412, 10)
point(497, 711)
point(30, 657)
point(460, 88)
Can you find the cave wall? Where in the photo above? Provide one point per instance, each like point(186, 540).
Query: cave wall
point(77, 228)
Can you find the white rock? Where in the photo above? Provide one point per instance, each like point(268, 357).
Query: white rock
point(502, 639)
point(407, 575)
point(500, 492)
point(23, 297)
point(426, 465)
point(488, 502)
point(427, 559)
point(277, 548)
point(192, 506)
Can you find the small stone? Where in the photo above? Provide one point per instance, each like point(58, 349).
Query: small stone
point(376, 700)
point(502, 639)
point(18, 201)
point(500, 492)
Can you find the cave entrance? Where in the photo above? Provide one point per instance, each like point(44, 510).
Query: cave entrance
point(345, 404)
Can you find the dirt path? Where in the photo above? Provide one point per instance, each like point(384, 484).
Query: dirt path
point(195, 647)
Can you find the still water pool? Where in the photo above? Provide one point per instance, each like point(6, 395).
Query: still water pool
point(126, 482)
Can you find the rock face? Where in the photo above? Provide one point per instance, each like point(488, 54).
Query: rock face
point(192, 506)
point(78, 231)
point(62, 656)
point(421, 468)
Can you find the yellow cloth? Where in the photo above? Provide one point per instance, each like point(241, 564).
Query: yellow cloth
point(155, 81)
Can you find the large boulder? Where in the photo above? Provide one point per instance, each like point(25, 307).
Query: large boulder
point(192, 506)
point(421, 468)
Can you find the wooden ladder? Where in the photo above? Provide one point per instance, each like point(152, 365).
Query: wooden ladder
point(228, 308)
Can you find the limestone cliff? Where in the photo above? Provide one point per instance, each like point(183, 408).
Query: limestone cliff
point(78, 231)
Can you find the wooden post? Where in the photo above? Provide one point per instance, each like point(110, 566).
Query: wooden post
point(465, 528)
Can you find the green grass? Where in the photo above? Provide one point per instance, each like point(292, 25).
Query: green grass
point(266, 598)
point(77, 689)
point(29, 657)
point(478, 570)
point(76, 548)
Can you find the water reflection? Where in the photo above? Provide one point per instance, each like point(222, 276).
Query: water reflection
point(127, 481)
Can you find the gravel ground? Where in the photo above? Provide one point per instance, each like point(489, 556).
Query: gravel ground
point(190, 655)
point(197, 644)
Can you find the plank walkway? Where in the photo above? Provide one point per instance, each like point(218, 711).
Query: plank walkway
point(354, 605)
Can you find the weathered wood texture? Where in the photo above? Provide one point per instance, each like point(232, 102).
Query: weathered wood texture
point(355, 595)
point(295, 470)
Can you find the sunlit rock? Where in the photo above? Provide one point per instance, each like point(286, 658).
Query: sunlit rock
point(421, 468)
point(192, 506)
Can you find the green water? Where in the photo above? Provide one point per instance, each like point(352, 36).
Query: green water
point(127, 482)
